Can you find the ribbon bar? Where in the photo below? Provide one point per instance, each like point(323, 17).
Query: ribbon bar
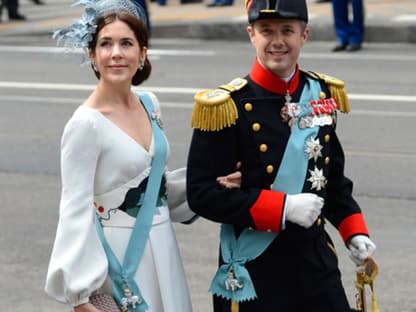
point(324, 106)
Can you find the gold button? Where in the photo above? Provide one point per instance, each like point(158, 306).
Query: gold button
point(269, 169)
point(322, 95)
point(319, 221)
point(326, 182)
point(248, 107)
point(263, 148)
point(271, 186)
point(327, 137)
point(268, 230)
point(327, 160)
point(256, 126)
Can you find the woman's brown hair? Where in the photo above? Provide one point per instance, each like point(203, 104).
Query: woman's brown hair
point(140, 31)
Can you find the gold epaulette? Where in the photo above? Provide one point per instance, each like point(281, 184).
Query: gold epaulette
point(337, 89)
point(215, 110)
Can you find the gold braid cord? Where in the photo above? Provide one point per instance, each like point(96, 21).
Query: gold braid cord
point(366, 276)
point(337, 89)
point(215, 110)
point(235, 307)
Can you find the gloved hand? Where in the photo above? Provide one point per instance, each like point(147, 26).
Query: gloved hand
point(303, 208)
point(360, 248)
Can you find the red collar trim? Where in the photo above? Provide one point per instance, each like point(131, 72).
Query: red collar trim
point(271, 82)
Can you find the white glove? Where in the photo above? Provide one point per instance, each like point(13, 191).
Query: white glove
point(303, 208)
point(360, 248)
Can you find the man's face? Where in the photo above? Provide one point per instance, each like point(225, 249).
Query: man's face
point(278, 43)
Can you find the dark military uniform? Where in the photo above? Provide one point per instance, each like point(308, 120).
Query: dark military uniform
point(242, 122)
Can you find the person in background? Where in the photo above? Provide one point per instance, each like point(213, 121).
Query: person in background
point(190, 1)
point(12, 7)
point(277, 126)
point(114, 234)
point(349, 33)
point(220, 3)
point(38, 2)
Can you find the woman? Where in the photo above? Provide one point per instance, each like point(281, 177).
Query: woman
point(109, 148)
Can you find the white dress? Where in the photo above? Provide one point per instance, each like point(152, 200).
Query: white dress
point(99, 164)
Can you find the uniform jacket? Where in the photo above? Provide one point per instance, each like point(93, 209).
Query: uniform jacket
point(258, 140)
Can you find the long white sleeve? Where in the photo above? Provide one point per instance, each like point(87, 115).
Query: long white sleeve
point(78, 264)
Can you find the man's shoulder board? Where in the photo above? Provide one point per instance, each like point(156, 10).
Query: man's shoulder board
point(214, 109)
point(336, 87)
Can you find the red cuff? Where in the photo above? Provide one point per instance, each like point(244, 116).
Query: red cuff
point(267, 211)
point(352, 225)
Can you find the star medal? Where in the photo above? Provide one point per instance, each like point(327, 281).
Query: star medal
point(317, 179)
point(313, 149)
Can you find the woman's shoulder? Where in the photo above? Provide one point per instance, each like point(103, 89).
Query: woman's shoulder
point(85, 114)
point(82, 130)
point(83, 118)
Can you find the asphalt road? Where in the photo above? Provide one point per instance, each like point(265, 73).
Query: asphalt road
point(40, 87)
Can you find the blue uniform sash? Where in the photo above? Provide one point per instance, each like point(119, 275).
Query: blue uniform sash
point(232, 280)
point(125, 289)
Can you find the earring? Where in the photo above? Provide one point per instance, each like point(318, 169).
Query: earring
point(141, 64)
point(94, 65)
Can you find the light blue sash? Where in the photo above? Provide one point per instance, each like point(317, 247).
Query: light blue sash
point(122, 276)
point(251, 243)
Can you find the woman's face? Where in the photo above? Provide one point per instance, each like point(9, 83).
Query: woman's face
point(278, 43)
point(117, 54)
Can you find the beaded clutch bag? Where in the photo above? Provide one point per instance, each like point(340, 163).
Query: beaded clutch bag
point(104, 303)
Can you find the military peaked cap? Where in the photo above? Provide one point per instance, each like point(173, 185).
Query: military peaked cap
point(285, 9)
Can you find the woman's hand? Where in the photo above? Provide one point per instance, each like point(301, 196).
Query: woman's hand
point(86, 307)
point(233, 180)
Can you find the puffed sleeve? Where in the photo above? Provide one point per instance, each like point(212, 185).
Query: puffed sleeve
point(176, 190)
point(78, 264)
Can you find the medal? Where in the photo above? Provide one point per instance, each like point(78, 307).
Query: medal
point(313, 149)
point(232, 283)
point(290, 111)
point(156, 117)
point(129, 301)
point(317, 179)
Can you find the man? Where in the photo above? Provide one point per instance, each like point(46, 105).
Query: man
point(12, 7)
point(278, 125)
point(349, 32)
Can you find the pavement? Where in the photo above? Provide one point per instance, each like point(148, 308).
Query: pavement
point(386, 20)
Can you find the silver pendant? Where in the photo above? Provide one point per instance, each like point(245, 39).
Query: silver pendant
point(129, 300)
point(232, 283)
